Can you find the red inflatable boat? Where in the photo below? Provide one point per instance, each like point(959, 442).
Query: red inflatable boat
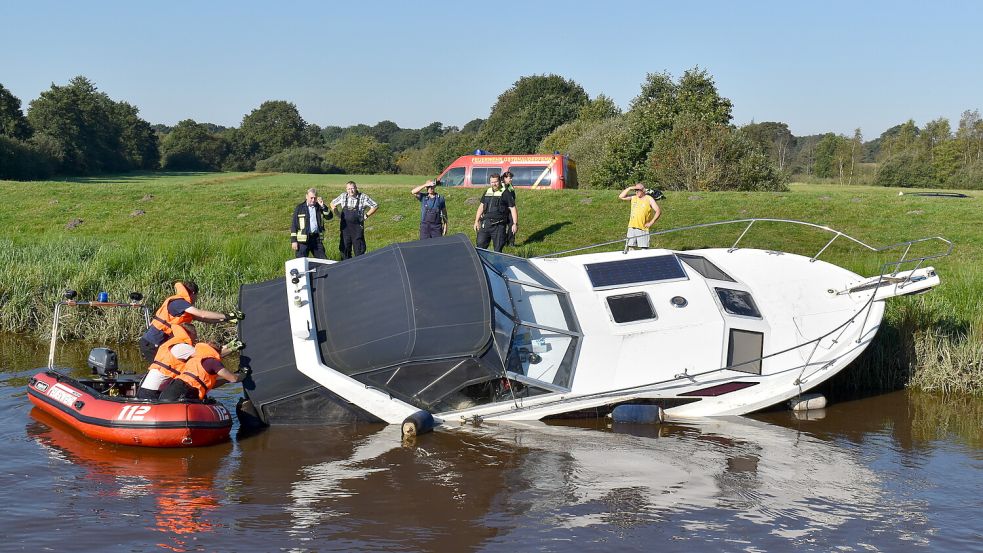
point(105, 406)
point(106, 409)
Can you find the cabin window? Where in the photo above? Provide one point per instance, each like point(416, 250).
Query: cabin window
point(479, 175)
point(738, 302)
point(526, 175)
point(745, 350)
point(705, 267)
point(629, 308)
point(453, 177)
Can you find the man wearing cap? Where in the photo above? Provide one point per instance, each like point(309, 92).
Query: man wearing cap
point(433, 211)
point(307, 226)
point(644, 213)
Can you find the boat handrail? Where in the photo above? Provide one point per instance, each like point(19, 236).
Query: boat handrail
point(750, 222)
point(74, 303)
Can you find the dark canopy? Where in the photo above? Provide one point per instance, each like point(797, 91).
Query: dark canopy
point(406, 302)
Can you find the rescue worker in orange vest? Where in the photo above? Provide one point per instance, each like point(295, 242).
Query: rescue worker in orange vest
point(169, 361)
point(171, 358)
point(203, 372)
point(178, 309)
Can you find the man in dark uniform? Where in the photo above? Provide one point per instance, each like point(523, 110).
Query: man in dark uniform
point(433, 210)
point(493, 214)
point(353, 208)
point(307, 226)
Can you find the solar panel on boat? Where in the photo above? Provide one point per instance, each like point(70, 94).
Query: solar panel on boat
point(634, 271)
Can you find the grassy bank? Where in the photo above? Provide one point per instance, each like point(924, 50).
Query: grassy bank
point(140, 232)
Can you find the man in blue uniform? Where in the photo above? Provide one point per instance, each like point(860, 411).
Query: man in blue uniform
point(433, 211)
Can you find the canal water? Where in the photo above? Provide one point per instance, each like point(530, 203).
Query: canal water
point(895, 472)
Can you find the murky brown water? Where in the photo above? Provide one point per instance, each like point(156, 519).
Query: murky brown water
point(897, 472)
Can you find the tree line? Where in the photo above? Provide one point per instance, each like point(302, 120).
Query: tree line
point(676, 134)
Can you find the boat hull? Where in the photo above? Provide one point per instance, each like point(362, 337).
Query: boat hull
point(126, 420)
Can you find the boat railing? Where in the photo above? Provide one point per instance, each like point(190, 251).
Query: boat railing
point(895, 266)
point(69, 302)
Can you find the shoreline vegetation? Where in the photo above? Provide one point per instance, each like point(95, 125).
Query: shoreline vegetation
point(139, 232)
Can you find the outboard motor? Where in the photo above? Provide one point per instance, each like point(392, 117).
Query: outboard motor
point(103, 362)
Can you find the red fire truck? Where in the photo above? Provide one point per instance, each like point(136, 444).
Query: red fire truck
point(554, 171)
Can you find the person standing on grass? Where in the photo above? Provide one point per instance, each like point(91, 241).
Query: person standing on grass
point(433, 210)
point(175, 310)
point(353, 208)
point(497, 205)
point(307, 226)
point(644, 213)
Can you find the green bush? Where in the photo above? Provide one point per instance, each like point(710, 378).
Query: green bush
point(968, 177)
point(600, 153)
point(355, 154)
point(565, 135)
point(294, 160)
point(21, 160)
point(906, 169)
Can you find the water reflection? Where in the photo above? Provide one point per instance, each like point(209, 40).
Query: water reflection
point(180, 483)
point(476, 484)
point(888, 473)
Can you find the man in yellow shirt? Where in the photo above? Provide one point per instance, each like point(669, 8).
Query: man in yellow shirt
point(644, 213)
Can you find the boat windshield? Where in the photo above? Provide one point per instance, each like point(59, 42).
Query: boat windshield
point(536, 332)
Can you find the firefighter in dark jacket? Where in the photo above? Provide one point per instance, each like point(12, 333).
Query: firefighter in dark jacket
point(493, 215)
point(307, 226)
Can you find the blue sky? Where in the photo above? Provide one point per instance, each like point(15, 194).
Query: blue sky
point(829, 66)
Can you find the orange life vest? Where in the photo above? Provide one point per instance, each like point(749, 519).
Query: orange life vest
point(165, 361)
point(195, 375)
point(163, 320)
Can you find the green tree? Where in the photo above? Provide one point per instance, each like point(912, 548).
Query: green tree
point(698, 155)
point(358, 154)
point(473, 125)
point(662, 100)
point(933, 135)
point(270, 129)
point(970, 136)
point(833, 157)
point(774, 139)
point(13, 124)
point(137, 140)
point(598, 109)
point(94, 133)
point(530, 110)
point(190, 146)
point(383, 131)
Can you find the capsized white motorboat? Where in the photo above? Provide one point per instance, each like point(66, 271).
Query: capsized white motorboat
point(469, 334)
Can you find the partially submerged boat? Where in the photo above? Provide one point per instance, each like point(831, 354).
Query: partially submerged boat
point(467, 334)
point(105, 407)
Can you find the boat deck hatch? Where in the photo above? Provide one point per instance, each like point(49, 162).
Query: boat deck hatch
point(628, 308)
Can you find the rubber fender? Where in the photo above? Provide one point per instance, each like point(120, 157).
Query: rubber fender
point(418, 423)
point(807, 402)
point(638, 414)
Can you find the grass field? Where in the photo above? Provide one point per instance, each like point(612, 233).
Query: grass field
point(140, 232)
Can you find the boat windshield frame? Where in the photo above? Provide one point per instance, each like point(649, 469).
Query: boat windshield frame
point(557, 338)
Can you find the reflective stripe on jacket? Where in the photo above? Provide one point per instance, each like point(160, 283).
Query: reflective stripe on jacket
point(195, 375)
point(163, 320)
point(165, 361)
